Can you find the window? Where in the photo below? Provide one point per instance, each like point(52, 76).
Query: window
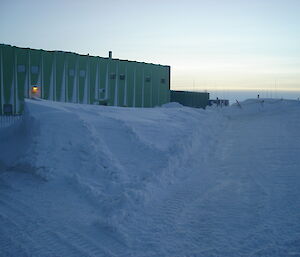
point(21, 68)
point(163, 81)
point(148, 79)
point(122, 76)
point(34, 69)
point(82, 73)
point(112, 76)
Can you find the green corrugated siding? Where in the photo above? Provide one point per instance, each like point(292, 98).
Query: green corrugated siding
point(130, 81)
point(59, 64)
point(47, 90)
point(146, 86)
point(104, 78)
point(81, 78)
point(35, 66)
point(8, 69)
point(139, 84)
point(157, 82)
point(92, 79)
point(21, 77)
point(70, 77)
point(121, 84)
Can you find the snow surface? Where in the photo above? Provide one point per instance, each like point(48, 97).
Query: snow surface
point(83, 180)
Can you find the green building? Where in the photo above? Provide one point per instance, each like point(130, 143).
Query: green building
point(70, 77)
point(191, 99)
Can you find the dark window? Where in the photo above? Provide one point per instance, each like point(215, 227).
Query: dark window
point(112, 76)
point(21, 68)
point(34, 69)
point(71, 73)
point(163, 81)
point(148, 79)
point(122, 76)
point(82, 73)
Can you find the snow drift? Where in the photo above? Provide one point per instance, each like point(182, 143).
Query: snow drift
point(83, 180)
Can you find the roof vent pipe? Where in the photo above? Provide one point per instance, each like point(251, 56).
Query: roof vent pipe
point(110, 54)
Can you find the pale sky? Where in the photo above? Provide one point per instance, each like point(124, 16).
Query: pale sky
point(212, 44)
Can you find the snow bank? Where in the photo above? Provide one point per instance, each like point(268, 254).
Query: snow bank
point(172, 105)
point(117, 158)
point(84, 180)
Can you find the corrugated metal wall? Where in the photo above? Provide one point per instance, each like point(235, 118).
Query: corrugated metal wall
point(70, 77)
point(192, 99)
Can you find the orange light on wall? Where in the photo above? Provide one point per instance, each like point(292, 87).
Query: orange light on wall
point(34, 89)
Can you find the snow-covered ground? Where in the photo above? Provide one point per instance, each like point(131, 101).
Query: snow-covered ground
point(83, 180)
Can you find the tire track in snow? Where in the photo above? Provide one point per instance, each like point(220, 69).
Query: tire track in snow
point(37, 236)
point(233, 213)
point(163, 225)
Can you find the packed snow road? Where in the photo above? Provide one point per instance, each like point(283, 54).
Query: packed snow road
point(80, 180)
point(243, 201)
